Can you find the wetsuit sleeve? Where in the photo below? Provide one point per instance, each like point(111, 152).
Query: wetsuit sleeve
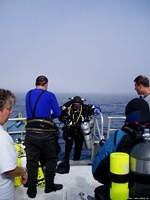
point(64, 112)
point(27, 105)
point(56, 111)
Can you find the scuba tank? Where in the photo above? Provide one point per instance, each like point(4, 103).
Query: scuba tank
point(140, 168)
point(119, 170)
point(91, 122)
point(86, 131)
point(41, 177)
point(140, 158)
point(18, 147)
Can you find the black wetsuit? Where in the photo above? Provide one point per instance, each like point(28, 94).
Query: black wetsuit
point(72, 116)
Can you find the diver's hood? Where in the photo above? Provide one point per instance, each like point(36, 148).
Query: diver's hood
point(137, 111)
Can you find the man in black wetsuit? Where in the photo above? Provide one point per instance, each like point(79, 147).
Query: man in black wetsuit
point(74, 112)
point(40, 139)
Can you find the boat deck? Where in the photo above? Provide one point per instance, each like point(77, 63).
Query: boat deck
point(79, 184)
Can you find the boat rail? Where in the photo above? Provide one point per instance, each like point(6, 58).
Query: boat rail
point(97, 132)
point(98, 128)
point(109, 124)
point(16, 122)
point(16, 128)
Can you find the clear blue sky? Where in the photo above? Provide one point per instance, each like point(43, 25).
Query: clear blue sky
point(96, 46)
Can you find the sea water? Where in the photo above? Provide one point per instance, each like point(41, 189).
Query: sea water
point(110, 105)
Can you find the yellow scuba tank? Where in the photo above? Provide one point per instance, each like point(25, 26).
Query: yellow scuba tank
point(119, 169)
point(40, 178)
point(17, 179)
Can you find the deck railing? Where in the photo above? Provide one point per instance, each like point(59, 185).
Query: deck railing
point(97, 131)
point(109, 125)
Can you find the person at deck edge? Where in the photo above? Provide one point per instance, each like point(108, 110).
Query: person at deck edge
point(142, 87)
point(40, 140)
point(74, 113)
point(8, 154)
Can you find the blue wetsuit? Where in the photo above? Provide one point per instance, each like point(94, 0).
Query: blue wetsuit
point(41, 104)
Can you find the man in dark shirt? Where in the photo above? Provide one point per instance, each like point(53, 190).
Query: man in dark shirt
point(40, 140)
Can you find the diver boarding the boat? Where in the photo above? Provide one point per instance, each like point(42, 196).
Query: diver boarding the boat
point(77, 118)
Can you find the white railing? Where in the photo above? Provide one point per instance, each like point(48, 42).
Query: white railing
point(13, 128)
point(109, 125)
point(16, 126)
point(98, 129)
point(97, 133)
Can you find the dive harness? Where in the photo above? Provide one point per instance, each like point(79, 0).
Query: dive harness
point(40, 125)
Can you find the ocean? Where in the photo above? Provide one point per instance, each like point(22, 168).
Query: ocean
point(110, 104)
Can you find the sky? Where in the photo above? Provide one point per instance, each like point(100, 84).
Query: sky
point(82, 46)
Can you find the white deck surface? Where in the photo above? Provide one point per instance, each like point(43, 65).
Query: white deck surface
point(79, 180)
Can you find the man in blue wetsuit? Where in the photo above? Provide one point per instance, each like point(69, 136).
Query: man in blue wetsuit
point(40, 140)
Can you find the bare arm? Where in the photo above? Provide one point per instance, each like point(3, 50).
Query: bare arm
point(18, 171)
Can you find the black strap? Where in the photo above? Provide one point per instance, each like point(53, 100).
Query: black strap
point(119, 178)
point(115, 138)
point(130, 131)
point(35, 104)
